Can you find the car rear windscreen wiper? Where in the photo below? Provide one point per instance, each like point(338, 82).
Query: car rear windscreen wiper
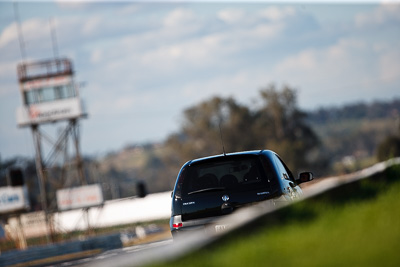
point(207, 190)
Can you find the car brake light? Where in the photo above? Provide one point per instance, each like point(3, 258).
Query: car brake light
point(177, 225)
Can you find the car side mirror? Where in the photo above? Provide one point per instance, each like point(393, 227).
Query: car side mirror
point(305, 177)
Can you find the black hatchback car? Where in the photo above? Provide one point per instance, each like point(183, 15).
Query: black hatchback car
point(209, 187)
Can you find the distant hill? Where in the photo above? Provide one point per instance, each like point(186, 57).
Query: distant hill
point(360, 110)
point(351, 133)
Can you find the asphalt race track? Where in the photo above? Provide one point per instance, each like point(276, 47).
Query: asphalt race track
point(140, 255)
point(132, 252)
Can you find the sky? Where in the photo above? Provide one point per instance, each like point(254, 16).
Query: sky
point(140, 64)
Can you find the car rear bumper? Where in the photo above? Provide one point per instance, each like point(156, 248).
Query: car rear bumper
point(179, 228)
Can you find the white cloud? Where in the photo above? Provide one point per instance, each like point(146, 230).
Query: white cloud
point(351, 69)
point(277, 13)
point(129, 10)
point(304, 61)
point(124, 103)
point(36, 36)
point(363, 65)
point(175, 48)
point(265, 32)
point(96, 55)
point(334, 59)
point(72, 4)
point(160, 55)
point(209, 48)
point(36, 29)
point(8, 35)
point(91, 25)
point(178, 24)
point(345, 48)
point(179, 17)
point(159, 59)
point(389, 66)
point(188, 55)
point(152, 64)
point(243, 85)
point(386, 13)
point(231, 15)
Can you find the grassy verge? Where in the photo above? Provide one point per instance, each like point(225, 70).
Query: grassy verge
point(355, 225)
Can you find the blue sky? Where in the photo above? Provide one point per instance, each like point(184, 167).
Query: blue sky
point(144, 63)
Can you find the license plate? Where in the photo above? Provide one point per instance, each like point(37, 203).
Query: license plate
point(220, 228)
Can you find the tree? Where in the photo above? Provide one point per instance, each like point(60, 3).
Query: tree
point(284, 127)
point(205, 123)
point(389, 148)
point(277, 124)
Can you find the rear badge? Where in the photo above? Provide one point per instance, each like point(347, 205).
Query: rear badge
point(189, 203)
point(225, 198)
point(262, 193)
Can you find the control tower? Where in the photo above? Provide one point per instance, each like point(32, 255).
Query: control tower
point(49, 95)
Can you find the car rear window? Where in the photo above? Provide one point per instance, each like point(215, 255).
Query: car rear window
point(231, 173)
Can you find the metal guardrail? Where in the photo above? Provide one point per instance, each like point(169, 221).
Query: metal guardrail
point(197, 240)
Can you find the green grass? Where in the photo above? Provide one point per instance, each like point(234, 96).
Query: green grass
point(356, 225)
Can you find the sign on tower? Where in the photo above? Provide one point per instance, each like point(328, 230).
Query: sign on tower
point(48, 92)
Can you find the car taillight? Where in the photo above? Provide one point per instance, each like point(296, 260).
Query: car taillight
point(177, 225)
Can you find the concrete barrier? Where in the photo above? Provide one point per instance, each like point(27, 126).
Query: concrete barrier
point(114, 212)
